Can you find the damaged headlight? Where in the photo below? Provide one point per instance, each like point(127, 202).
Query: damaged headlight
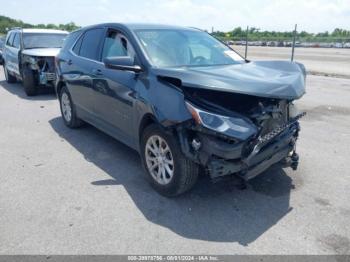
point(32, 60)
point(29, 59)
point(228, 125)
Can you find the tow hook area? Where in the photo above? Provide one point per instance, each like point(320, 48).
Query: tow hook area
point(196, 144)
point(291, 161)
point(295, 161)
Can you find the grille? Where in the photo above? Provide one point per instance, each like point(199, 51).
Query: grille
point(50, 76)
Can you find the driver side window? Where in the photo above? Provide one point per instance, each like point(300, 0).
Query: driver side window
point(116, 44)
point(16, 41)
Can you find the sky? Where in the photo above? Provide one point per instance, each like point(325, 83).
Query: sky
point(224, 15)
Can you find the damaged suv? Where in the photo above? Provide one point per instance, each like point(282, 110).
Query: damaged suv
point(29, 56)
point(184, 100)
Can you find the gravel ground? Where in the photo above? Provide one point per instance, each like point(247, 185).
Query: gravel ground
point(325, 61)
point(81, 192)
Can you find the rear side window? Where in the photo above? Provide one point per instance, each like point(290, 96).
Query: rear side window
point(91, 43)
point(16, 41)
point(10, 39)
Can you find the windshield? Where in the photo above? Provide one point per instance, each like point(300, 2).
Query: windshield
point(169, 48)
point(43, 40)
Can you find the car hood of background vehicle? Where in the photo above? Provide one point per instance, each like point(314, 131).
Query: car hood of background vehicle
point(41, 51)
point(272, 79)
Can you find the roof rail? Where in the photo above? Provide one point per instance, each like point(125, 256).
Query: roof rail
point(16, 27)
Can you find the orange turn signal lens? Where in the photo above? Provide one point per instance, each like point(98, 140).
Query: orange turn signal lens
point(194, 113)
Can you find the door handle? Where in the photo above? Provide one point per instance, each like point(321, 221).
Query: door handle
point(69, 62)
point(97, 72)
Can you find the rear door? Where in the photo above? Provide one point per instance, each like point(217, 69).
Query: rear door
point(15, 49)
point(7, 51)
point(78, 66)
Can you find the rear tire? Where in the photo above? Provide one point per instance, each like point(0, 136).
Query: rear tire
point(182, 174)
point(68, 111)
point(9, 78)
point(29, 83)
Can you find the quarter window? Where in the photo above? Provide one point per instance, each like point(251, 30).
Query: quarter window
point(76, 48)
point(90, 44)
point(69, 41)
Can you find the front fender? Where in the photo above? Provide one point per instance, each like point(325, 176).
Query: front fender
point(164, 101)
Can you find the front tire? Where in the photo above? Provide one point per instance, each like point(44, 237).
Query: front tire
point(68, 110)
point(170, 173)
point(9, 78)
point(29, 83)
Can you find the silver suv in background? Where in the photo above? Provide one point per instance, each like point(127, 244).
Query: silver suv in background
point(2, 40)
point(29, 54)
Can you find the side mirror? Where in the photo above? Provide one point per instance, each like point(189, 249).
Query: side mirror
point(125, 63)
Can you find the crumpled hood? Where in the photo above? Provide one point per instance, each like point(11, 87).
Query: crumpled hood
point(273, 79)
point(41, 51)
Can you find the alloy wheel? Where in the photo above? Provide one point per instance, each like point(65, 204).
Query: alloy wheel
point(66, 107)
point(159, 159)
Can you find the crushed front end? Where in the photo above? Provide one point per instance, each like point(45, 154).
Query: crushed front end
point(43, 69)
point(237, 134)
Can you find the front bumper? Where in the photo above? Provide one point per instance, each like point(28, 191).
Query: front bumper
point(252, 165)
point(248, 159)
point(45, 78)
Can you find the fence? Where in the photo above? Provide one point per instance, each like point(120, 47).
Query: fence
point(294, 40)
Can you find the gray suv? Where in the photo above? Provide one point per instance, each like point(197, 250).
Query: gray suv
point(184, 100)
point(28, 55)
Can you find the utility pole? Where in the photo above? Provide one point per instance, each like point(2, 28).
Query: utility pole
point(294, 36)
point(246, 43)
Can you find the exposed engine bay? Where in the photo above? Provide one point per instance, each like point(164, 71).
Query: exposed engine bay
point(43, 69)
point(252, 134)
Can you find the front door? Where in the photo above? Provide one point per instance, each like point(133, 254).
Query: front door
point(115, 89)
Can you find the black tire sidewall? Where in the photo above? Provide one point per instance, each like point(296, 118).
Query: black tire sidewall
point(6, 74)
point(9, 78)
point(172, 188)
point(29, 82)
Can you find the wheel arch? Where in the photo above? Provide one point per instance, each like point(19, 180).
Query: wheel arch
point(59, 87)
point(147, 119)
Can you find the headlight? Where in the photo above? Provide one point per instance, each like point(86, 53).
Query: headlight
point(31, 60)
point(228, 125)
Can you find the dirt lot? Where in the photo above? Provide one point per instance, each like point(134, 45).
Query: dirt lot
point(317, 60)
point(81, 192)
